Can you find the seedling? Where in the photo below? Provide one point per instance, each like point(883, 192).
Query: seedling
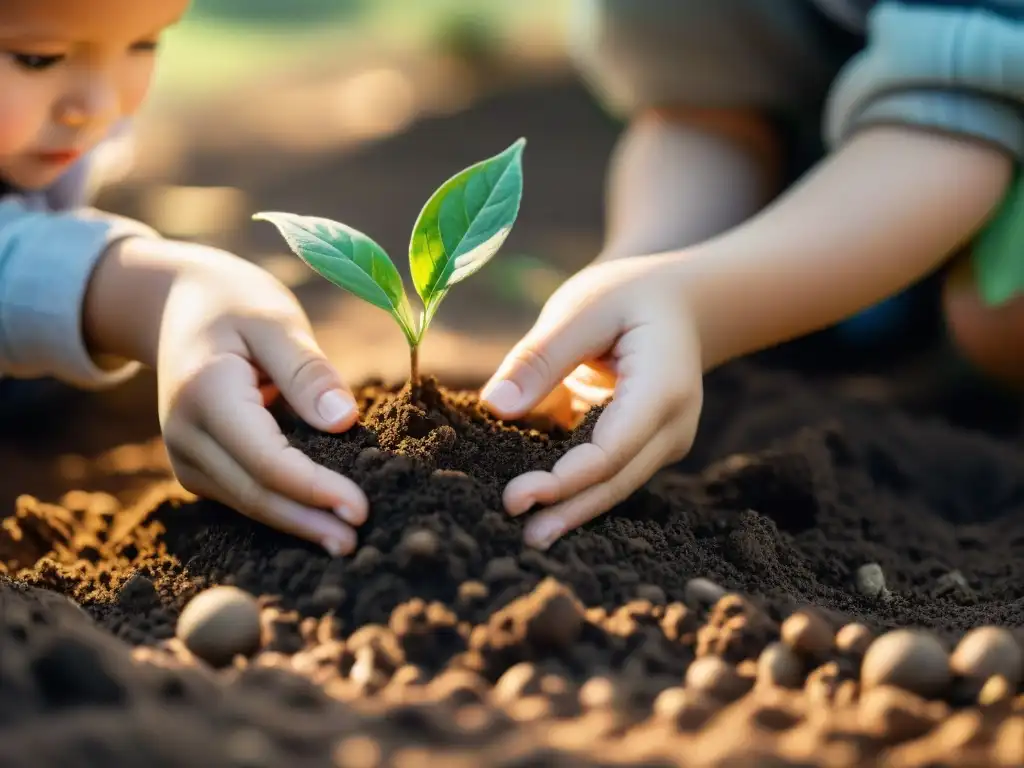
point(459, 230)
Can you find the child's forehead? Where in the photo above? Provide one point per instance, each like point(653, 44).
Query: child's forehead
point(88, 20)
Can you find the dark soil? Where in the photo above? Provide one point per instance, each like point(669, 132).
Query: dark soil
point(443, 641)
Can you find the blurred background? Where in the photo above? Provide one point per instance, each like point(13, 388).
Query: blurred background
point(357, 110)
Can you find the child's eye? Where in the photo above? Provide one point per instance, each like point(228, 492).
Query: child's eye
point(36, 62)
point(145, 46)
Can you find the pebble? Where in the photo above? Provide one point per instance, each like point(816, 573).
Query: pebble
point(896, 714)
point(422, 544)
point(714, 676)
point(996, 690)
point(807, 633)
point(652, 593)
point(558, 620)
point(908, 658)
point(368, 456)
point(871, 581)
point(219, 624)
point(702, 593)
point(779, 665)
point(854, 638)
point(987, 651)
point(473, 591)
point(522, 679)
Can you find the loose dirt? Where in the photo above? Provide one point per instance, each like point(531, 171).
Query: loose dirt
point(696, 625)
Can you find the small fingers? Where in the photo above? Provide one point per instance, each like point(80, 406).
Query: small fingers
point(544, 357)
point(249, 434)
point(301, 372)
point(208, 471)
point(626, 426)
point(548, 525)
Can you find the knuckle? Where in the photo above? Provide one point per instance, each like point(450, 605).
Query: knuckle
point(310, 370)
point(535, 360)
point(264, 464)
point(252, 498)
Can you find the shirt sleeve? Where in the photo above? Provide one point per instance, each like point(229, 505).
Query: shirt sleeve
point(46, 262)
point(951, 66)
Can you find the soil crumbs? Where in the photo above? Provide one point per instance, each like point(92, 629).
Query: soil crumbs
point(738, 611)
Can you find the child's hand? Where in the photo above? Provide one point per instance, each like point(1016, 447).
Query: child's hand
point(627, 325)
point(229, 330)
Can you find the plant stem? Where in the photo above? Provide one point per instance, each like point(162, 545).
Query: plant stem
point(414, 370)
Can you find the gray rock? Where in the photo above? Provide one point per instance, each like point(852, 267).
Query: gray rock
point(219, 624)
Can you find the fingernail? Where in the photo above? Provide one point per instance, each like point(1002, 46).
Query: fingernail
point(334, 406)
point(503, 395)
point(525, 505)
point(347, 514)
point(333, 546)
point(544, 533)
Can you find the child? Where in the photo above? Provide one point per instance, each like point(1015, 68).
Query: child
point(925, 125)
point(85, 297)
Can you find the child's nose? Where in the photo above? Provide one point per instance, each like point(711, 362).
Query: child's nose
point(94, 103)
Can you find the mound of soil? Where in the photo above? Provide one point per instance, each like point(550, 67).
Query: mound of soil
point(443, 641)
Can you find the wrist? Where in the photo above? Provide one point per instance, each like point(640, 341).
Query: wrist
point(128, 292)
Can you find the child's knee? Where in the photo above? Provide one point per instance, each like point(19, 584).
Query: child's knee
point(990, 338)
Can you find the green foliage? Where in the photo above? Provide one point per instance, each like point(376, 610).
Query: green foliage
point(461, 227)
point(276, 12)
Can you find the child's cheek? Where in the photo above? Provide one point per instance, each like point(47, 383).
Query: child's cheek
point(20, 128)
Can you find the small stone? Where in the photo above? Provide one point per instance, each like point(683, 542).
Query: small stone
point(250, 748)
point(779, 665)
point(854, 639)
point(598, 693)
point(702, 593)
point(953, 583)
point(687, 710)
point(987, 651)
point(368, 456)
point(502, 569)
point(365, 560)
point(996, 690)
point(871, 581)
point(652, 593)
point(715, 677)
point(450, 474)
point(908, 658)
point(558, 620)
point(421, 544)
point(807, 633)
point(896, 714)
point(520, 680)
point(472, 592)
point(138, 589)
point(358, 752)
point(219, 624)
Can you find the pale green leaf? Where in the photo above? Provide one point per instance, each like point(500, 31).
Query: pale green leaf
point(463, 225)
point(347, 258)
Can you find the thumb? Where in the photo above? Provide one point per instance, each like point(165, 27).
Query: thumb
point(544, 357)
point(312, 386)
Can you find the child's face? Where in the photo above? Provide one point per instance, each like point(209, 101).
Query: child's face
point(69, 70)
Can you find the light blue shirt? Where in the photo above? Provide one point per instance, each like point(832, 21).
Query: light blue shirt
point(50, 243)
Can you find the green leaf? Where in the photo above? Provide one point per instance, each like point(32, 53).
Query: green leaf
point(998, 251)
point(463, 225)
point(349, 259)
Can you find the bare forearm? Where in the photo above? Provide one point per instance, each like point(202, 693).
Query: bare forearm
point(872, 219)
point(124, 304)
point(681, 176)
